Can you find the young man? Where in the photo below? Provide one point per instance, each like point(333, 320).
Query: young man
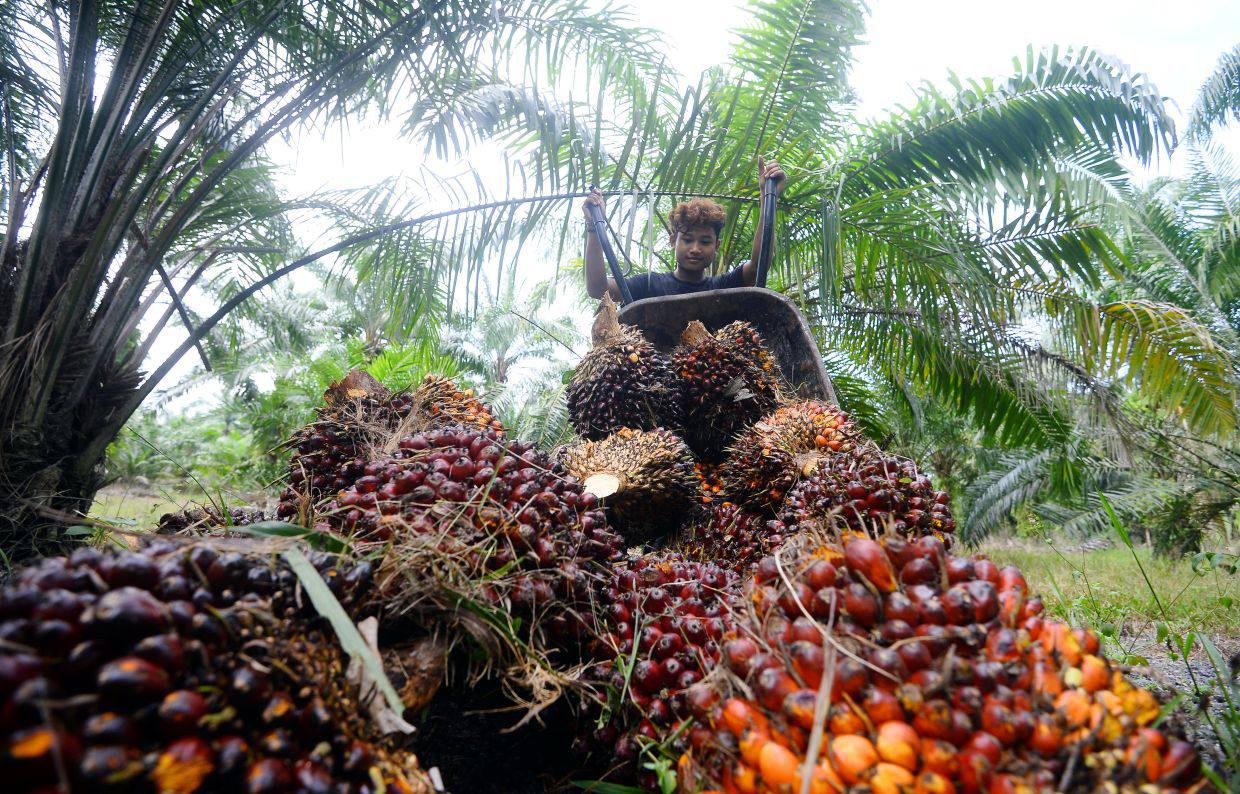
point(695, 235)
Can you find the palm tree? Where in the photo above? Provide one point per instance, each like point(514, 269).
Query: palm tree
point(133, 139)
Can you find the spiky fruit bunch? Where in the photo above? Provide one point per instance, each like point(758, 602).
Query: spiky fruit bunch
point(728, 381)
point(665, 616)
point(358, 419)
point(493, 504)
point(181, 669)
point(938, 673)
point(645, 479)
point(732, 537)
point(871, 492)
point(769, 458)
point(199, 520)
point(622, 382)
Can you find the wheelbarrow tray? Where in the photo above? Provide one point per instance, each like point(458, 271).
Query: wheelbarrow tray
point(784, 330)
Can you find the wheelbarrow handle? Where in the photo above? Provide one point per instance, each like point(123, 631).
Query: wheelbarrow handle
point(767, 243)
point(600, 230)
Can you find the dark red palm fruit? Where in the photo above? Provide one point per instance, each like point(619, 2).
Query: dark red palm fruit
point(985, 570)
point(799, 706)
point(976, 772)
point(737, 653)
point(934, 719)
point(131, 681)
point(860, 605)
point(960, 569)
point(772, 686)
point(807, 662)
point(820, 574)
point(898, 606)
point(181, 711)
point(940, 757)
point(110, 767)
point(881, 706)
point(915, 655)
point(269, 776)
point(919, 570)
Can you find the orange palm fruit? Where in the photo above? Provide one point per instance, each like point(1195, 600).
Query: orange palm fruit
point(898, 743)
point(933, 783)
point(1095, 674)
point(751, 746)
point(777, 765)
point(890, 779)
point(1047, 738)
point(852, 757)
point(1074, 705)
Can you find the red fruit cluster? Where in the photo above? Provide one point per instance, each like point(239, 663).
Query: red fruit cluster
point(170, 669)
point(710, 482)
point(943, 676)
point(498, 503)
point(358, 415)
point(871, 492)
point(662, 619)
point(732, 537)
point(727, 381)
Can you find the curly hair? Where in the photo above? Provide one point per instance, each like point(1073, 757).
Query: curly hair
point(698, 212)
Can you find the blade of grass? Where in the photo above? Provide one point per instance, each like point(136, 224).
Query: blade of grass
point(351, 639)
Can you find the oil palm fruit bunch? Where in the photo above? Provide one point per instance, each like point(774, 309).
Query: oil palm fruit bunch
point(870, 491)
point(728, 381)
point(769, 458)
point(733, 537)
point(644, 478)
point(622, 382)
point(936, 673)
point(358, 419)
point(662, 619)
point(182, 668)
point(206, 519)
point(494, 504)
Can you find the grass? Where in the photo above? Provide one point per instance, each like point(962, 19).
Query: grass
point(1106, 587)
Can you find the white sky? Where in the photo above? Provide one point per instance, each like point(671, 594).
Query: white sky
point(907, 42)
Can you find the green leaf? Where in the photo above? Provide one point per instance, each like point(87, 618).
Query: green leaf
point(350, 638)
point(602, 787)
point(282, 529)
point(1116, 524)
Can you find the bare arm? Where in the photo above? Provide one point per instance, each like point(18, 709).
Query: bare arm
point(597, 281)
point(766, 171)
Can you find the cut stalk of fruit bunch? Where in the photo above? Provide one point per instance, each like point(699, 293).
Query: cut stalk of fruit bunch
point(769, 458)
point(946, 677)
point(358, 420)
point(728, 381)
point(622, 382)
point(645, 479)
point(178, 669)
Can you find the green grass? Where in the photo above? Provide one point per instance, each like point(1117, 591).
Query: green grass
point(140, 508)
point(1105, 588)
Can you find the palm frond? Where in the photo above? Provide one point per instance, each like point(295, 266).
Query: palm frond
point(1218, 99)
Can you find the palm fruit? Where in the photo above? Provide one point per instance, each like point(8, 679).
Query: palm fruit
point(622, 382)
point(181, 668)
point(665, 616)
point(496, 504)
point(728, 381)
point(359, 418)
point(732, 537)
point(200, 520)
point(644, 478)
point(769, 458)
point(871, 491)
point(939, 674)
point(710, 483)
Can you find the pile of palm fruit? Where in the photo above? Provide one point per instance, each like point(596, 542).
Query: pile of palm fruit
point(722, 586)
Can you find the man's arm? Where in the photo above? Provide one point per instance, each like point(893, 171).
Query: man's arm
point(597, 281)
point(766, 171)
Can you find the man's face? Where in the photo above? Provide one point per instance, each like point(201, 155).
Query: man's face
point(696, 248)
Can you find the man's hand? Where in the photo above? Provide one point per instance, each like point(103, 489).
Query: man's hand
point(771, 170)
point(595, 198)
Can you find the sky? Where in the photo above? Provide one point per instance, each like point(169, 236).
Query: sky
point(906, 42)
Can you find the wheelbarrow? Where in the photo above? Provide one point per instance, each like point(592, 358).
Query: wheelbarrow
point(782, 326)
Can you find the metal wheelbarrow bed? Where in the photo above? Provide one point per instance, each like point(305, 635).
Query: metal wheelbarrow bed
point(783, 328)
